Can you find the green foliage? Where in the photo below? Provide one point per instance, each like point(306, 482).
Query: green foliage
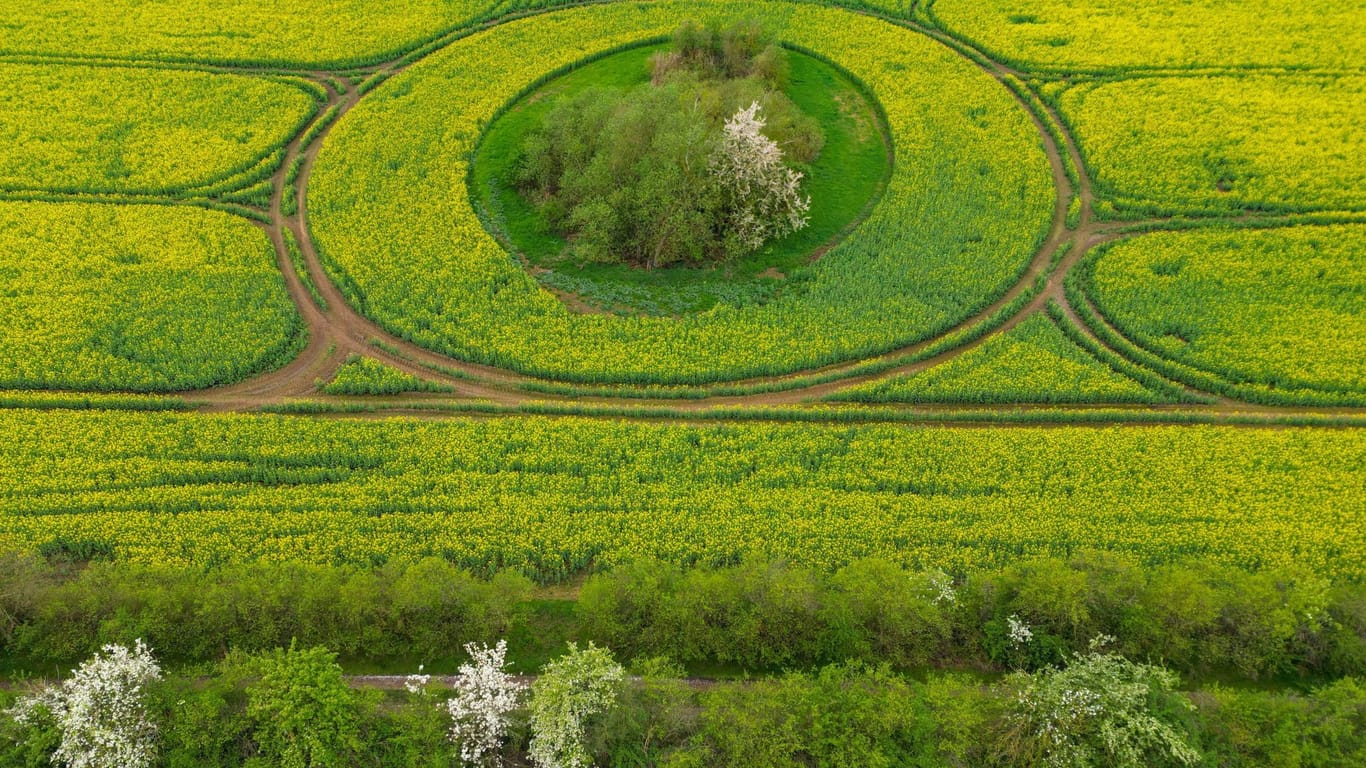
point(632, 175)
point(117, 129)
point(656, 714)
point(413, 610)
point(845, 716)
point(303, 713)
point(367, 376)
point(1213, 145)
point(1260, 728)
point(968, 201)
point(1196, 617)
point(569, 694)
point(843, 181)
point(1034, 362)
point(204, 722)
point(142, 298)
point(1277, 315)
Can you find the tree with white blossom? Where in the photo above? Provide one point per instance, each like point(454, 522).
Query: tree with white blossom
point(1101, 709)
point(763, 195)
point(485, 694)
point(101, 711)
point(571, 690)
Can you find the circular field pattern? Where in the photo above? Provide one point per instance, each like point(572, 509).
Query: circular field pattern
point(969, 201)
point(843, 182)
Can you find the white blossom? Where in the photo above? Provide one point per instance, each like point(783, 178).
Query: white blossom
point(1017, 630)
point(101, 710)
point(941, 588)
point(1098, 711)
point(570, 690)
point(417, 684)
point(484, 696)
point(765, 195)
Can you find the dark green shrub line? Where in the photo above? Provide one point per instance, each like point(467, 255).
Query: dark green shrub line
point(1198, 618)
point(44, 400)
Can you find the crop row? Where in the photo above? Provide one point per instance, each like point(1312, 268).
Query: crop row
point(1281, 311)
point(967, 204)
point(137, 297)
point(553, 497)
point(102, 129)
point(1034, 362)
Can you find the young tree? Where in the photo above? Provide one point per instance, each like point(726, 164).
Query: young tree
point(101, 711)
point(305, 714)
point(571, 690)
point(763, 195)
point(485, 694)
point(1102, 709)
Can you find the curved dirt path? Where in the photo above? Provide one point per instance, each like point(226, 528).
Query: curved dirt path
point(344, 330)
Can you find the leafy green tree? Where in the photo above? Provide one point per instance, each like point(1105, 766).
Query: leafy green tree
point(304, 714)
point(689, 168)
point(570, 692)
point(1101, 709)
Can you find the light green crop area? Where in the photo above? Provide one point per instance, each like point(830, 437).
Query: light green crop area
point(1212, 144)
point(125, 129)
point(557, 496)
point(968, 202)
point(1284, 309)
point(141, 298)
point(1120, 34)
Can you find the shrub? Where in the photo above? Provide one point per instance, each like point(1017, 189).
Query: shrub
point(101, 711)
point(571, 691)
point(303, 714)
point(1101, 709)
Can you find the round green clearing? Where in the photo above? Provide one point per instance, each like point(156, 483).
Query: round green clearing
point(1282, 309)
point(844, 182)
point(969, 201)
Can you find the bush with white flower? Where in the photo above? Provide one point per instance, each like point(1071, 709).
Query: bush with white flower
point(1101, 709)
point(485, 696)
point(101, 711)
point(571, 690)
